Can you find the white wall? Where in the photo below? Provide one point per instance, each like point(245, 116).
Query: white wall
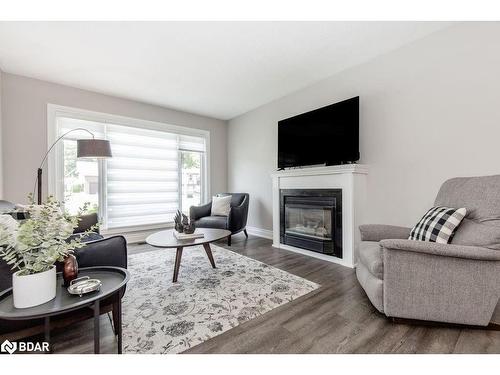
point(429, 111)
point(24, 103)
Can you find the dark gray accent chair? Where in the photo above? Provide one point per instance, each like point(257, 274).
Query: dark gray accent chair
point(453, 283)
point(235, 222)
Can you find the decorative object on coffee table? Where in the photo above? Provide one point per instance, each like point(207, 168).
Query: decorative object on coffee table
point(70, 269)
point(33, 289)
point(185, 221)
point(113, 281)
point(33, 246)
point(166, 239)
point(187, 236)
point(190, 227)
point(183, 224)
point(84, 285)
point(178, 222)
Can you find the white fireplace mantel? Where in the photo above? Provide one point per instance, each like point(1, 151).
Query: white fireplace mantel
point(351, 178)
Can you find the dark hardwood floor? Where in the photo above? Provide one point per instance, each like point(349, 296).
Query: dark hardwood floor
point(336, 318)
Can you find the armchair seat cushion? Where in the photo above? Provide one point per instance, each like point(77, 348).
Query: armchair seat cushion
point(372, 257)
point(218, 222)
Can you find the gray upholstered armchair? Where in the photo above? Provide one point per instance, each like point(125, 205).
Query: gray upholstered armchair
point(235, 222)
point(455, 283)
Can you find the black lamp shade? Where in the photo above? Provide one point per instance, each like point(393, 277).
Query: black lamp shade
point(93, 148)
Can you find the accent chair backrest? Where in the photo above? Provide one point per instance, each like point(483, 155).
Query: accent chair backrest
point(481, 197)
point(236, 198)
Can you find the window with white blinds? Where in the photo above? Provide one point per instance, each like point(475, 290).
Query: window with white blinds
point(145, 182)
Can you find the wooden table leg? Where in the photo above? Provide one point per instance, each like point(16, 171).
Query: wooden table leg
point(177, 265)
point(208, 250)
point(96, 327)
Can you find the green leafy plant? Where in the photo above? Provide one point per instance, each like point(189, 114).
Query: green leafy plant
point(190, 160)
point(88, 208)
point(37, 243)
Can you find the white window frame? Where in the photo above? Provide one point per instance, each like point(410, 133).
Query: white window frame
point(55, 165)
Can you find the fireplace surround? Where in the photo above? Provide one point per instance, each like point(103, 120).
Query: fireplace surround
point(311, 219)
point(350, 181)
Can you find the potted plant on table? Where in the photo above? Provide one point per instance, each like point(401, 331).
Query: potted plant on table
point(32, 247)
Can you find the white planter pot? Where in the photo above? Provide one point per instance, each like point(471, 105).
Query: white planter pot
point(33, 290)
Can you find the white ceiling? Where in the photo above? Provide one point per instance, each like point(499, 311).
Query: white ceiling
point(218, 69)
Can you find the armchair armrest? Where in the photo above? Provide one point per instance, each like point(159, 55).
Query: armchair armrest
point(110, 251)
point(197, 212)
point(446, 250)
point(440, 282)
point(378, 232)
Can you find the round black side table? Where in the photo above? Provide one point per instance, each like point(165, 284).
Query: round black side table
point(113, 281)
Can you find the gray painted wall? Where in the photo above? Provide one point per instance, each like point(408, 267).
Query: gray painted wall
point(24, 102)
point(429, 111)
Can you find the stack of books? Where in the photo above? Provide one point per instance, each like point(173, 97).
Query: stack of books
point(184, 236)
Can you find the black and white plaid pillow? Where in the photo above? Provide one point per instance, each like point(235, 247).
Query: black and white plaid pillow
point(438, 224)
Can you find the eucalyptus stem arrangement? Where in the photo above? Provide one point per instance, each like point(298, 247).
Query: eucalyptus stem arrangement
point(34, 245)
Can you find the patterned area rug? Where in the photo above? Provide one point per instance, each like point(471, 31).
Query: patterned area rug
point(162, 317)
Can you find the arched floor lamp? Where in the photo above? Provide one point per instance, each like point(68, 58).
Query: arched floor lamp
point(85, 148)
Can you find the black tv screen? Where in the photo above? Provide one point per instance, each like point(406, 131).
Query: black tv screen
point(328, 135)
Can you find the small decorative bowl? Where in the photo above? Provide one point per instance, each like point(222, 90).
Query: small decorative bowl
point(84, 285)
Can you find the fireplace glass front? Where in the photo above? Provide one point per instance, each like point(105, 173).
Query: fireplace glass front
point(312, 219)
point(309, 221)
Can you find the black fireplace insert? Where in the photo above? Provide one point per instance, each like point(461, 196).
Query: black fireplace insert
point(312, 219)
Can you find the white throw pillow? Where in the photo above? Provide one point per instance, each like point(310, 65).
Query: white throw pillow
point(221, 205)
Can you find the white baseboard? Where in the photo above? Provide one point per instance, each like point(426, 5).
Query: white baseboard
point(264, 233)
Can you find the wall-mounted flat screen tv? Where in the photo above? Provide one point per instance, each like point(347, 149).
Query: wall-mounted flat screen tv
point(328, 135)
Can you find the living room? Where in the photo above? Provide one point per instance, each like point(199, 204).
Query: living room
point(249, 187)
